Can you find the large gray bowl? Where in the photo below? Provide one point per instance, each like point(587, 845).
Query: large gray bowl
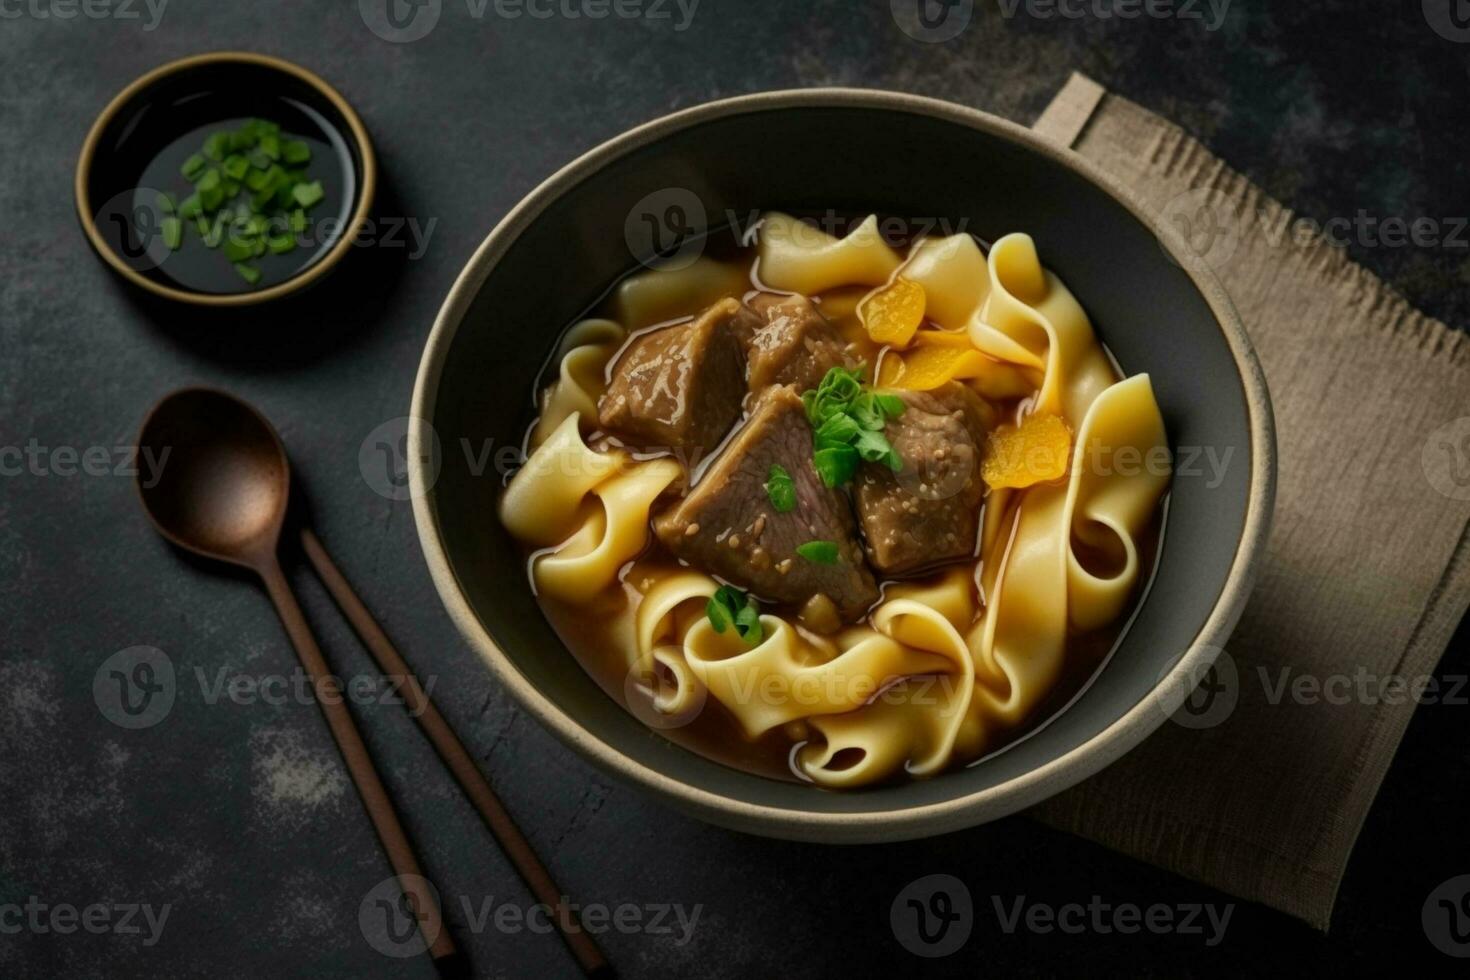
point(1152, 301)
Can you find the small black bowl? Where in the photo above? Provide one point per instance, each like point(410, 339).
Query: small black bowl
point(136, 147)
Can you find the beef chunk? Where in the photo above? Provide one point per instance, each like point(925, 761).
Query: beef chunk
point(680, 388)
point(929, 511)
point(796, 346)
point(728, 527)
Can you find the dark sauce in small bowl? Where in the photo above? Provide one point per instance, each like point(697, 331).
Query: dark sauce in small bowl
point(139, 151)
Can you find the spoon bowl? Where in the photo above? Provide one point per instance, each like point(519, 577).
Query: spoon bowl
point(225, 481)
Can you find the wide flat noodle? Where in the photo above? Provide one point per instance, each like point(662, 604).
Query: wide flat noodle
point(582, 359)
point(1031, 319)
point(660, 295)
point(591, 507)
point(798, 257)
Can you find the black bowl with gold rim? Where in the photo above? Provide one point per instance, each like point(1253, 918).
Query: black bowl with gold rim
point(131, 185)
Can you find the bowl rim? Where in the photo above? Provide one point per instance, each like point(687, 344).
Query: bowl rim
point(87, 156)
point(898, 823)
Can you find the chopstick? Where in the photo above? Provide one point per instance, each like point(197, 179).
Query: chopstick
point(457, 759)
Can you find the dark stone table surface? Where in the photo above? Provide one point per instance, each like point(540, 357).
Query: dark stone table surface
point(235, 816)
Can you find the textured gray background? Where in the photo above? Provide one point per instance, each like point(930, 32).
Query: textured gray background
point(239, 817)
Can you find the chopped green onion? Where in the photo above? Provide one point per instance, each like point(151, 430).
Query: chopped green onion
point(892, 405)
point(847, 420)
point(296, 151)
point(249, 198)
point(866, 413)
point(838, 430)
point(730, 607)
point(235, 166)
point(836, 465)
point(872, 446)
point(819, 552)
point(309, 194)
point(748, 624)
point(781, 490)
point(239, 249)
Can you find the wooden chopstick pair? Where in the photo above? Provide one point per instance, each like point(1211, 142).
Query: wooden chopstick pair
point(455, 757)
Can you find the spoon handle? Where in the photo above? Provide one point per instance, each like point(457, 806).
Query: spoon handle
point(379, 806)
point(455, 757)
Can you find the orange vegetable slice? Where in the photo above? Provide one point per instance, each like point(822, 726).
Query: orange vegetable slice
point(944, 338)
point(892, 314)
point(926, 368)
point(1036, 451)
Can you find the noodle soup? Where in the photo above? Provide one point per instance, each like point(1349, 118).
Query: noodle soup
point(842, 510)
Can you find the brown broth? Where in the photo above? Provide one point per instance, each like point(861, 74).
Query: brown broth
point(714, 732)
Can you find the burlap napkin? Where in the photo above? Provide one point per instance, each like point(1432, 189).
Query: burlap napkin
point(1367, 572)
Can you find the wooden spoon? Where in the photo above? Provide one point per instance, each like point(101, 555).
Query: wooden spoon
point(223, 494)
